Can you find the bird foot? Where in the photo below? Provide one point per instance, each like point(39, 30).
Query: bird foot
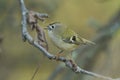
point(59, 54)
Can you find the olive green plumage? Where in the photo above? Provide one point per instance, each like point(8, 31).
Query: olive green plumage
point(64, 37)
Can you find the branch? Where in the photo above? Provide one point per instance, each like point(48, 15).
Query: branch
point(69, 63)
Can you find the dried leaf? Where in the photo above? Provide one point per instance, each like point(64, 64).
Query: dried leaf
point(31, 20)
point(41, 37)
point(41, 16)
point(33, 17)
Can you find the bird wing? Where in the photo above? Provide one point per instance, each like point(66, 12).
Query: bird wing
point(71, 37)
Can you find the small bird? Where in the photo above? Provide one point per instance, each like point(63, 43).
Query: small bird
point(65, 38)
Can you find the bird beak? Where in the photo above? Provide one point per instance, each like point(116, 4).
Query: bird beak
point(46, 28)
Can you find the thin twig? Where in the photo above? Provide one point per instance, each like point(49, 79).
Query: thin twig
point(36, 70)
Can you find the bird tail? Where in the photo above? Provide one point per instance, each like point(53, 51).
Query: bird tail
point(85, 41)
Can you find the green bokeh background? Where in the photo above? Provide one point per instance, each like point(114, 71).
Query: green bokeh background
point(18, 60)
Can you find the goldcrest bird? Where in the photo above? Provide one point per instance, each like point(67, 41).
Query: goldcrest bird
point(65, 38)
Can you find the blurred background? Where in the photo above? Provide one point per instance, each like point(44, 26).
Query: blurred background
point(96, 20)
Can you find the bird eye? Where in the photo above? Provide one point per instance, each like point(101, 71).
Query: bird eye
point(53, 26)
